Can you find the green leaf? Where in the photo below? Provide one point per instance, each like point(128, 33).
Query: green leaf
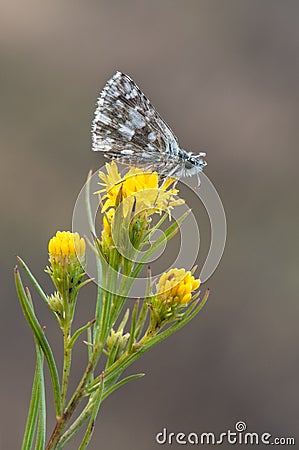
point(144, 310)
point(99, 304)
point(112, 353)
point(121, 383)
point(124, 321)
point(79, 331)
point(95, 409)
point(168, 234)
point(41, 339)
point(154, 228)
point(32, 413)
point(133, 327)
point(87, 203)
point(77, 424)
point(34, 281)
point(125, 361)
point(41, 429)
point(177, 325)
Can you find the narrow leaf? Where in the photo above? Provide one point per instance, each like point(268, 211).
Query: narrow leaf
point(41, 339)
point(125, 361)
point(41, 430)
point(133, 327)
point(76, 425)
point(121, 383)
point(34, 280)
point(32, 414)
point(79, 331)
point(87, 203)
point(94, 413)
point(124, 321)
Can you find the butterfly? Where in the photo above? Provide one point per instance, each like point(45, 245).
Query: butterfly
point(127, 128)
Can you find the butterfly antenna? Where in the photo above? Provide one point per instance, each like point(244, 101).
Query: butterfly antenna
point(198, 180)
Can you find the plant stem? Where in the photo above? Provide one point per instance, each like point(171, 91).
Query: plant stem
point(76, 425)
point(79, 393)
point(67, 352)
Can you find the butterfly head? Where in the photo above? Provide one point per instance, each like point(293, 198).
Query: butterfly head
point(194, 163)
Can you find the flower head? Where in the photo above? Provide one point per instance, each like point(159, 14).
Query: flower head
point(139, 187)
point(173, 292)
point(66, 248)
point(175, 287)
point(67, 261)
point(129, 201)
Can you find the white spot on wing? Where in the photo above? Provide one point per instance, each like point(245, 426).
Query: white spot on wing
point(152, 136)
point(127, 86)
point(150, 147)
point(102, 118)
point(136, 118)
point(126, 131)
point(127, 152)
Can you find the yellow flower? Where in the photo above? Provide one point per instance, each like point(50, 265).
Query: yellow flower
point(140, 187)
point(174, 291)
point(175, 287)
point(129, 201)
point(67, 261)
point(66, 248)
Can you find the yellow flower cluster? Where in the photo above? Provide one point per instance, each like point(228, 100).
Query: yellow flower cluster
point(66, 247)
point(67, 261)
point(137, 186)
point(175, 287)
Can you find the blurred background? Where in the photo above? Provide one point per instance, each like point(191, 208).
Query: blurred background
point(224, 75)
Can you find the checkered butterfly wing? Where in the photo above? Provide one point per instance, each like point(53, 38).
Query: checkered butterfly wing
point(127, 127)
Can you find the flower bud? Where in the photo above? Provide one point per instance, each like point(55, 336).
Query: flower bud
point(117, 340)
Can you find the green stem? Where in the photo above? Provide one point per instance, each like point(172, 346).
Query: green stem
point(145, 344)
point(76, 425)
point(67, 355)
point(95, 409)
point(78, 395)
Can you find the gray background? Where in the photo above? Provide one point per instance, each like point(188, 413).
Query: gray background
point(224, 74)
